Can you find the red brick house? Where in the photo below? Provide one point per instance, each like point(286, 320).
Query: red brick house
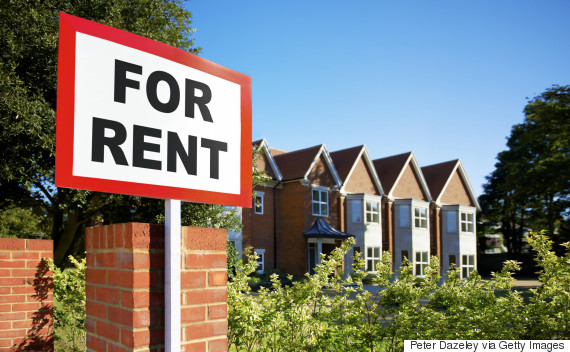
point(314, 200)
point(310, 191)
point(453, 216)
point(405, 210)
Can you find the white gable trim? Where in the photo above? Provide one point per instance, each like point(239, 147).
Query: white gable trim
point(418, 172)
point(368, 160)
point(463, 175)
point(269, 157)
point(328, 160)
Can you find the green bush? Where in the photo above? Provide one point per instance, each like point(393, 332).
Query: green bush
point(69, 305)
point(326, 313)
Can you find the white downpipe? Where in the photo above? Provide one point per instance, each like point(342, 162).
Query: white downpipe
point(172, 244)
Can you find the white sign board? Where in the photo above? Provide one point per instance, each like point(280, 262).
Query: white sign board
point(139, 117)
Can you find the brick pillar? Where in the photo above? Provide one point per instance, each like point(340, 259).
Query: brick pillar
point(26, 295)
point(125, 288)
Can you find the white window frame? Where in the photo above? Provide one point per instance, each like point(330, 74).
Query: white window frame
point(320, 191)
point(423, 220)
point(260, 260)
point(259, 195)
point(404, 215)
point(372, 212)
point(467, 224)
point(373, 255)
point(421, 262)
point(451, 221)
point(467, 265)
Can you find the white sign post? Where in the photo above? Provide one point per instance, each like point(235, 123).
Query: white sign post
point(139, 117)
point(172, 246)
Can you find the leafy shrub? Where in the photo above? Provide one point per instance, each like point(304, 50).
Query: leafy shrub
point(69, 305)
point(326, 313)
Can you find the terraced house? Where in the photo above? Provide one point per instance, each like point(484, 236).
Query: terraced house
point(314, 200)
point(453, 213)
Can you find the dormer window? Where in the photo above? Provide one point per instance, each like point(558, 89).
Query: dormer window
point(320, 201)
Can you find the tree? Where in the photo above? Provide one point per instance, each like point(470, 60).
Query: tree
point(530, 186)
point(28, 68)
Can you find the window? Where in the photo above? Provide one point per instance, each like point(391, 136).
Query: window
point(372, 212)
point(466, 222)
point(258, 203)
point(405, 255)
point(320, 202)
point(260, 260)
point(420, 218)
point(452, 260)
point(404, 216)
point(356, 213)
point(372, 258)
point(467, 265)
point(451, 221)
point(421, 263)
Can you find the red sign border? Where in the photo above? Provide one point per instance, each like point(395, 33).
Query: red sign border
point(68, 27)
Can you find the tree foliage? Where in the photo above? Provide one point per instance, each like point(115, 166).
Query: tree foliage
point(28, 74)
point(530, 186)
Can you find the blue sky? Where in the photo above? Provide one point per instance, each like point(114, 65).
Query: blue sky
point(444, 79)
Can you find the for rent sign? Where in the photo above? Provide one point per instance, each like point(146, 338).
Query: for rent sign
point(136, 116)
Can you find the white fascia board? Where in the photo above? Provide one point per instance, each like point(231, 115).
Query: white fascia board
point(463, 174)
point(269, 156)
point(468, 184)
point(449, 177)
point(330, 164)
point(371, 167)
point(391, 194)
point(419, 172)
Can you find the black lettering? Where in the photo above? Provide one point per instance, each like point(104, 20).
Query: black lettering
point(140, 146)
point(215, 148)
point(151, 87)
point(99, 141)
point(121, 80)
point(192, 99)
point(175, 147)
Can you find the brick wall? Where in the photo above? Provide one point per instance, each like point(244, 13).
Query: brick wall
point(125, 288)
point(26, 296)
point(258, 229)
point(409, 185)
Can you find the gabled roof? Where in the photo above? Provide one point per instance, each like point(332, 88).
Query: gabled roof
point(321, 228)
point(346, 160)
point(439, 175)
point(390, 170)
point(298, 164)
point(262, 144)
